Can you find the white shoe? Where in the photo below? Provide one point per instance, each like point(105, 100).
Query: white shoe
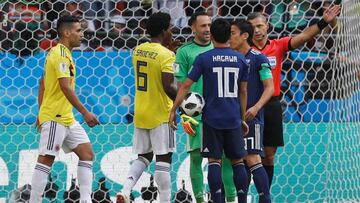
point(121, 198)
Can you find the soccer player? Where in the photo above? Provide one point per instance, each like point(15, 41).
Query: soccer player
point(275, 50)
point(260, 91)
point(56, 121)
point(224, 73)
point(185, 56)
point(155, 90)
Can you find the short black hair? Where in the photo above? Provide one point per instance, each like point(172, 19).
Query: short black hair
point(157, 22)
point(220, 30)
point(194, 16)
point(65, 21)
point(244, 27)
point(254, 15)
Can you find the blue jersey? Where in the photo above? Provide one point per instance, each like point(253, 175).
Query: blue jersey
point(256, 61)
point(222, 69)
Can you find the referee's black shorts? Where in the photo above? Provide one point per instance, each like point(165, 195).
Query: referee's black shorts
point(273, 128)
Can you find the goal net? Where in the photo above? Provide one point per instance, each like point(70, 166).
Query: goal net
point(343, 148)
point(320, 161)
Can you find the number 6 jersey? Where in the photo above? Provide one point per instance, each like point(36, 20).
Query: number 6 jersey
point(152, 105)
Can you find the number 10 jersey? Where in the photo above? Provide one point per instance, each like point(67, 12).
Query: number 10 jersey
point(223, 69)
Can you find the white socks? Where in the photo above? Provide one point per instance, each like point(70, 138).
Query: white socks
point(85, 178)
point(40, 179)
point(38, 182)
point(136, 169)
point(163, 180)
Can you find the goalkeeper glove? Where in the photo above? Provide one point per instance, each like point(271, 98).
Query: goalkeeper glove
point(186, 122)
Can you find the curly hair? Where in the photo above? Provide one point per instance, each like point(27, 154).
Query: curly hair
point(157, 22)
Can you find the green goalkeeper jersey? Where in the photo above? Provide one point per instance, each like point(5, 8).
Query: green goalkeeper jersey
point(185, 57)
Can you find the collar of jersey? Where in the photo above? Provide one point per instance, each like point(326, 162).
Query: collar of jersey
point(201, 44)
point(267, 43)
point(248, 51)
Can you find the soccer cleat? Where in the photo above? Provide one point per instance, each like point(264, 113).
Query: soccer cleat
point(121, 198)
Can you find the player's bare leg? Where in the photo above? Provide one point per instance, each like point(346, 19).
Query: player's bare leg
point(84, 152)
point(268, 162)
point(46, 160)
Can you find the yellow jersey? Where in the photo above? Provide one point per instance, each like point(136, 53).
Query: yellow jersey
point(55, 106)
point(152, 105)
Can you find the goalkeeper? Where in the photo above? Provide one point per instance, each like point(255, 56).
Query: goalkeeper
point(200, 25)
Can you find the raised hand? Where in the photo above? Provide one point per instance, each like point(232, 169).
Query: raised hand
point(330, 13)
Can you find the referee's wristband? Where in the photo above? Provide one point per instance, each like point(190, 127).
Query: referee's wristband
point(322, 24)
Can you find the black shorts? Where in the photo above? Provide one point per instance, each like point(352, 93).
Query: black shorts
point(273, 126)
point(254, 139)
point(216, 141)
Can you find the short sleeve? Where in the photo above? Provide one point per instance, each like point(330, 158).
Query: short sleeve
point(264, 68)
point(180, 66)
point(284, 43)
point(197, 69)
point(62, 67)
point(167, 63)
point(244, 72)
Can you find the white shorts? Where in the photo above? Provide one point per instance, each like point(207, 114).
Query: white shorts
point(55, 136)
point(159, 140)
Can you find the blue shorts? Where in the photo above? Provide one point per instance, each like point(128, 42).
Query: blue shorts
point(254, 139)
point(216, 141)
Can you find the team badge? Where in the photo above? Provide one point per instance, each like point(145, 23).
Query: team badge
point(57, 148)
point(176, 67)
point(63, 67)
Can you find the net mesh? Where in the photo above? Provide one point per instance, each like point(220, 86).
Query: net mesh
point(343, 149)
point(320, 96)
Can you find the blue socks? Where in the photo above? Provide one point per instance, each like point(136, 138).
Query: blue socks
point(215, 182)
point(261, 182)
point(241, 181)
point(270, 172)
